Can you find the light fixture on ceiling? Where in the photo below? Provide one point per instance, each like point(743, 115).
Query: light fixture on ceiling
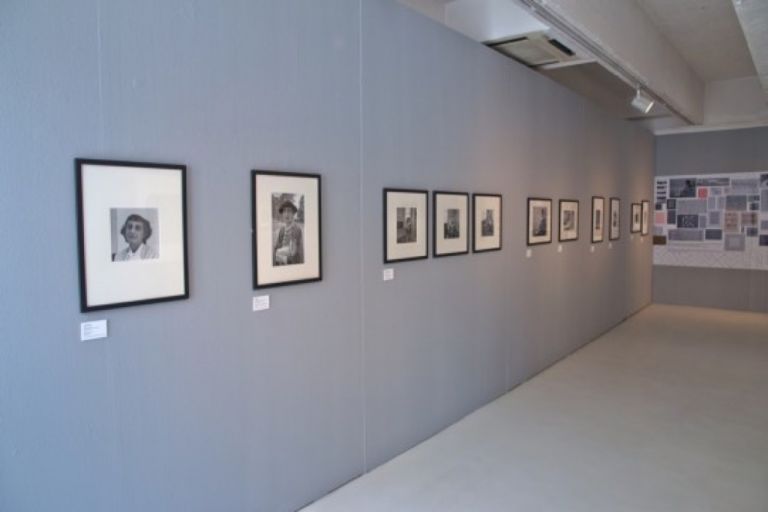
point(642, 102)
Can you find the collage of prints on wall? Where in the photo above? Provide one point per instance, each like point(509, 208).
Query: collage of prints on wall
point(712, 220)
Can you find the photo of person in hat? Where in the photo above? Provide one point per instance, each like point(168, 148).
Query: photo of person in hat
point(288, 237)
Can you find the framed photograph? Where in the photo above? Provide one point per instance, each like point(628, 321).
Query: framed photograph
point(405, 224)
point(450, 229)
point(598, 219)
point(286, 228)
point(635, 220)
point(132, 233)
point(539, 221)
point(486, 229)
point(614, 231)
point(569, 220)
point(645, 217)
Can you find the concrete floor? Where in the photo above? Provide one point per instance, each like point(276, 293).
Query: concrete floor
point(667, 412)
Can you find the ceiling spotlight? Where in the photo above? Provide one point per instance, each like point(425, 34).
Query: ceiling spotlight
point(642, 102)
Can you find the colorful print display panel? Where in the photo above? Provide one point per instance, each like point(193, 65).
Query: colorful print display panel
point(712, 220)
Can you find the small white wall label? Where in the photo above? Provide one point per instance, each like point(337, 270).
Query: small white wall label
point(261, 303)
point(610, 245)
point(591, 248)
point(93, 330)
point(528, 253)
point(560, 248)
point(387, 274)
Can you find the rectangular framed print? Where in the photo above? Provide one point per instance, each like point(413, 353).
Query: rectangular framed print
point(645, 217)
point(614, 230)
point(450, 229)
point(635, 218)
point(286, 228)
point(486, 223)
point(598, 219)
point(405, 225)
point(569, 220)
point(539, 221)
point(132, 233)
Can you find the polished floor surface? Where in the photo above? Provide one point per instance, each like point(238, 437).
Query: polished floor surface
point(668, 412)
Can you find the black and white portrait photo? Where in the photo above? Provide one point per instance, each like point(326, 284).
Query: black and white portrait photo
point(539, 221)
point(486, 215)
point(615, 229)
point(764, 180)
point(135, 234)
point(486, 227)
point(287, 229)
point(406, 225)
point(598, 216)
point(569, 220)
point(451, 224)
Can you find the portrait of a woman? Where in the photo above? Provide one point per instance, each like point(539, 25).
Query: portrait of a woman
point(136, 231)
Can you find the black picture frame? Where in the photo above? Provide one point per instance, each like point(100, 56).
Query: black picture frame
point(560, 219)
point(611, 202)
point(477, 223)
point(295, 264)
point(405, 198)
point(601, 228)
point(635, 212)
point(111, 275)
point(440, 243)
point(531, 237)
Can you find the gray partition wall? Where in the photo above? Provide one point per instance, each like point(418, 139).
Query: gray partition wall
point(201, 404)
point(719, 152)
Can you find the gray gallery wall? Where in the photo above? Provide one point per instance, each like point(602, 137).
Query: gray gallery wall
point(201, 404)
point(720, 152)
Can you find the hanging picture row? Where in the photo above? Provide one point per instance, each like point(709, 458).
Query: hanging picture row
point(132, 229)
point(539, 220)
point(406, 219)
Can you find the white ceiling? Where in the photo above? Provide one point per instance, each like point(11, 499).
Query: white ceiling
point(706, 33)
point(704, 61)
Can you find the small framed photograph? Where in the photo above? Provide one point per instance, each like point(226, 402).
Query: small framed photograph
point(486, 229)
point(450, 231)
point(645, 217)
point(132, 232)
point(539, 221)
point(598, 219)
point(286, 228)
point(405, 225)
point(614, 232)
point(569, 220)
point(635, 220)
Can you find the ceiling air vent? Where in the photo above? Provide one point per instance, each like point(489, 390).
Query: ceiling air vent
point(534, 49)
